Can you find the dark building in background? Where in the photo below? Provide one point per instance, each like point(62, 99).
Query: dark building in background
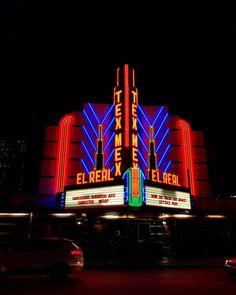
point(13, 167)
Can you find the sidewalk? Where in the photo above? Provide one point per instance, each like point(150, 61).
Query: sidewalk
point(164, 262)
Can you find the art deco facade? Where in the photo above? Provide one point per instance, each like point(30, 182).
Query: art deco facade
point(99, 145)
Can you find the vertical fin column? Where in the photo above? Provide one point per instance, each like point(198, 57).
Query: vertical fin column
point(99, 153)
point(126, 127)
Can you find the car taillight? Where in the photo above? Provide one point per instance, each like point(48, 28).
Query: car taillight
point(75, 252)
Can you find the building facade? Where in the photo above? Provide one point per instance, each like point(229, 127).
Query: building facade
point(126, 176)
point(123, 154)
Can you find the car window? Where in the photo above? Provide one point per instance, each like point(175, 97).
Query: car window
point(43, 244)
point(35, 245)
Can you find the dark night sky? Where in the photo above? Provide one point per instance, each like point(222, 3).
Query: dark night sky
point(55, 55)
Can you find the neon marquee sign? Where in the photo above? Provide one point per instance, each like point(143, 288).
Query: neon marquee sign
point(167, 198)
point(118, 135)
point(167, 178)
point(137, 145)
point(95, 176)
point(95, 197)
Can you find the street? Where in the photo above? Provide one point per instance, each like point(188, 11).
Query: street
point(163, 281)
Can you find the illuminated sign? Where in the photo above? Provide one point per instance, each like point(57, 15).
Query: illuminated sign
point(134, 107)
point(95, 197)
point(118, 134)
point(126, 124)
point(167, 178)
point(167, 198)
point(134, 184)
point(95, 176)
point(112, 138)
point(136, 153)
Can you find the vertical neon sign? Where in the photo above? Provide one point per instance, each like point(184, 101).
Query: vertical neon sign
point(126, 121)
point(134, 128)
point(118, 132)
point(127, 106)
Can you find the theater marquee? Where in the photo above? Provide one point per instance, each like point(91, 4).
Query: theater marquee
point(167, 198)
point(125, 158)
point(95, 197)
